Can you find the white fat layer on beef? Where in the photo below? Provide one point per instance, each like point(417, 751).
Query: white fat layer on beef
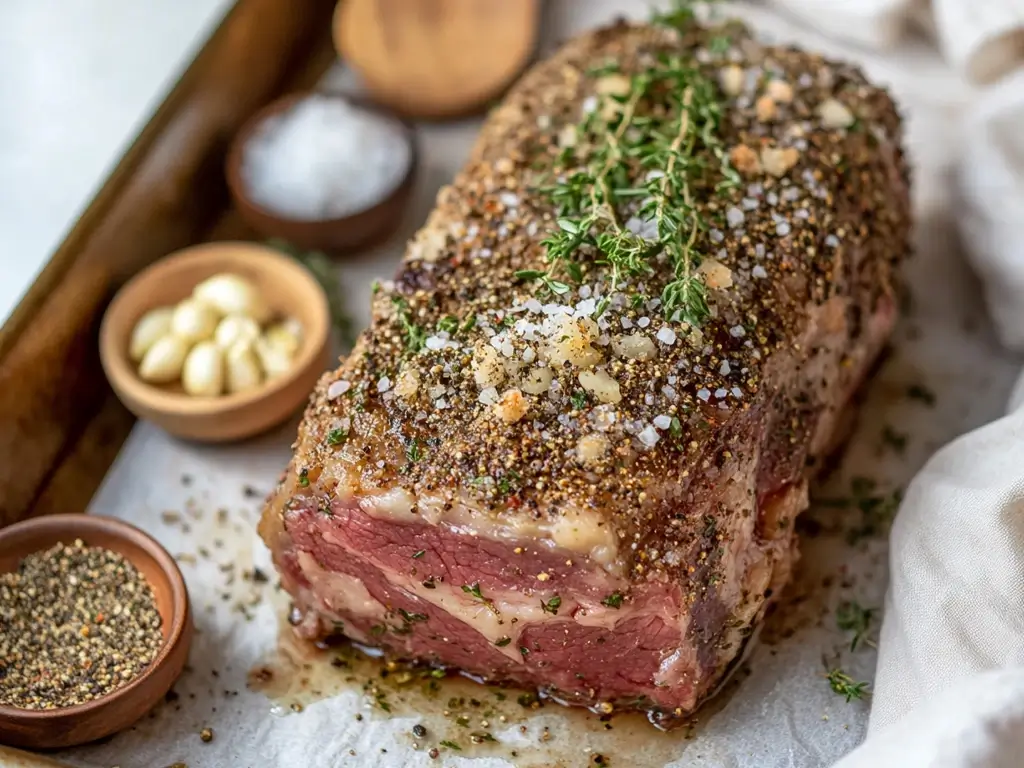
point(395, 504)
point(678, 667)
point(338, 594)
point(576, 531)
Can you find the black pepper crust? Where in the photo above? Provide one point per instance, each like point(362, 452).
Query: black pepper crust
point(833, 223)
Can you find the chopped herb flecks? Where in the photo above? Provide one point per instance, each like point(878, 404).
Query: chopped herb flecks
point(552, 605)
point(614, 600)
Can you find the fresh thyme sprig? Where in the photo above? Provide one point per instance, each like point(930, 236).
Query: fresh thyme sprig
point(618, 141)
point(844, 685)
point(851, 616)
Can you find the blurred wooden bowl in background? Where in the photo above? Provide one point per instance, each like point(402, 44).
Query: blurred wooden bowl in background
point(436, 59)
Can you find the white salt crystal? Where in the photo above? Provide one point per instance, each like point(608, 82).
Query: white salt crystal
point(758, 272)
point(323, 159)
point(649, 436)
point(338, 388)
point(666, 335)
point(663, 421)
point(720, 393)
point(488, 396)
point(725, 368)
point(383, 384)
point(738, 331)
point(643, 322)
point(734, 217)
point(704, 394)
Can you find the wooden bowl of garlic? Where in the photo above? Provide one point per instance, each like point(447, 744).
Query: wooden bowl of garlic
point(217, 342)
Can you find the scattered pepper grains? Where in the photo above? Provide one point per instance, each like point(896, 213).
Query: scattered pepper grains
point(76, 623)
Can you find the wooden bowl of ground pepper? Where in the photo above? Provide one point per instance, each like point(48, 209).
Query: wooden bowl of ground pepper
point(95, 628)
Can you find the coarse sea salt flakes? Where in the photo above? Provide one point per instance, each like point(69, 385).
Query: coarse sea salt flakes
point(734, 217)
point(666, 335)
point(704, 394)
point(662, 421)
point(720, 393)
point(488, 396)
point(383, 384)
point(338, 388)
point(649, 436)
point(725, 368)
point(738, 331)
point(302, 163)
point(759, 272)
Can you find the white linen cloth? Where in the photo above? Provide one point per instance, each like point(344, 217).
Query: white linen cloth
point(949, 685)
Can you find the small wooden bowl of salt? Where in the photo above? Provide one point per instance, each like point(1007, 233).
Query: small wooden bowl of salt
point(322, 171)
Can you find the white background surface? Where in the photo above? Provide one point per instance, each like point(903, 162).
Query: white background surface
point(78, 80)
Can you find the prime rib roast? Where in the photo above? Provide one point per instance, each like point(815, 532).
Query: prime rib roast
point(569, 450)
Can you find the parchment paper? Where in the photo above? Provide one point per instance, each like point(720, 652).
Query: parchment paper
point(782, 713)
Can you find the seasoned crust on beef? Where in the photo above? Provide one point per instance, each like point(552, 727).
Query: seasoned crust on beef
point(849, 185)
point(689, 476)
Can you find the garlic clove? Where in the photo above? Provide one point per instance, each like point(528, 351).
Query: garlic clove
point(233, 295)
point(274, 362)
point(234, 329)
point(203, 372)
point(194, 321)
point(151, 326)
point(242, 367)
point(163, 361)
point(286, 337)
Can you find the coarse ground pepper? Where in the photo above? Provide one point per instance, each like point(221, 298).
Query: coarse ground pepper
point(76, 622)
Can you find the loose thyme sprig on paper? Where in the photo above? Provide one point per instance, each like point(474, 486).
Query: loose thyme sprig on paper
point(671, 146)
point(851, 616)
point(844, 685)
